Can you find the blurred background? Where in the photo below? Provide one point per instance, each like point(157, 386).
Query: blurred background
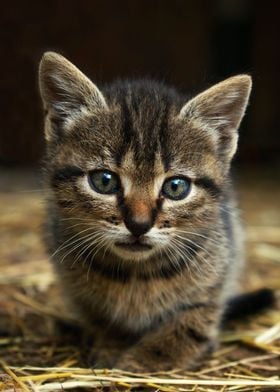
point(189, 44)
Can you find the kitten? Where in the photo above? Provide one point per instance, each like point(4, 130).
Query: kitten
point(142, 224)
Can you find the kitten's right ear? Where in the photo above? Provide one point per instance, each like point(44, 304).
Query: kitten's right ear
point(219, 111)
point(65, 92)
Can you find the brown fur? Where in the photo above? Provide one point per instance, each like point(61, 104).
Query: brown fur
point(160, 307)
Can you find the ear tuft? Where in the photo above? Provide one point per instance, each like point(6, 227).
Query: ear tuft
point(220, 109)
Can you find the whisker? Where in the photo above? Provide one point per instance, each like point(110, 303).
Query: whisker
point(187, 249)
point(91, 240)
point(199, 235)
point(80, 241)
point(64, 244)
point(98, 246)
point(173, 259)
point(229, 211)
point(94, 246)
point(194, 243)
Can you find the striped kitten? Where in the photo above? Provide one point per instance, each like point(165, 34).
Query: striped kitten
point(141, 219)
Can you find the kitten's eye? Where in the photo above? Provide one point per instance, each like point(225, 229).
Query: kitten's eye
point(176, 188)
point(104, 181)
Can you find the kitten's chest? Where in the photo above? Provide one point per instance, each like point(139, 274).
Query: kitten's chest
point(135, 304)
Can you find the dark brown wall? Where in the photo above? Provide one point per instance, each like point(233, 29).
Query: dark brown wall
point(186, 43)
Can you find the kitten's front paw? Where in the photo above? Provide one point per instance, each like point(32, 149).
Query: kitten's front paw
point(137, 361)
point(103, 358)
point(151, 358)
point(130, 364)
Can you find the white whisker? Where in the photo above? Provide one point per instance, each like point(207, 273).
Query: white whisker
point(68, 242)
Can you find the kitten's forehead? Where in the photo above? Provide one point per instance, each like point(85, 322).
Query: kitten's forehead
point(142, 115)
point(141, 170)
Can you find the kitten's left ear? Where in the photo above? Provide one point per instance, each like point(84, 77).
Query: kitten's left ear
point(65, 92)
point(220, 110)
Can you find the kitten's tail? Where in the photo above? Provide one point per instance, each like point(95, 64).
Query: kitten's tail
point(248, 304)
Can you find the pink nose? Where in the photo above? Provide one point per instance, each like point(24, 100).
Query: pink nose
point(138, 217)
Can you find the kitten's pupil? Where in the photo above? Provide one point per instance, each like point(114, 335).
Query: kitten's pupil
point(175, 185)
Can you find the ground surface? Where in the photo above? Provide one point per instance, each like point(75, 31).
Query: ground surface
point(36, 352)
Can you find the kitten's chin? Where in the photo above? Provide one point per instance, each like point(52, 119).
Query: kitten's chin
point(136, 252)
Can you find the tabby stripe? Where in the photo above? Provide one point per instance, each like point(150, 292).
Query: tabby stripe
point(196, 335)
point(209, 185)
point(66, 203)
point(163, 137)
point(121, 273)
point(67, 173)
point(127, 129)
point(169, 314)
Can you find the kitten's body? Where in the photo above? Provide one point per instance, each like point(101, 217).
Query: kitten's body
point(159, 306)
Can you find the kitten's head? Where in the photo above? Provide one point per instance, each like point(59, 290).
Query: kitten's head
point(136, 169)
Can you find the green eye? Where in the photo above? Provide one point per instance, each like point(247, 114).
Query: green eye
point(176, 188)
point(104, 181)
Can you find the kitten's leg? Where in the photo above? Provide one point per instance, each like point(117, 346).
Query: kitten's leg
point(105, 355)
point(178, 344)
point(106, 350)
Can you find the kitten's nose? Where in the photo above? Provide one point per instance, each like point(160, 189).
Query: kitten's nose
point(136, 228)
point(138, 216)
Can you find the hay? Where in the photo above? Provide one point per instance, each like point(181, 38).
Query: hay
point(37, 352)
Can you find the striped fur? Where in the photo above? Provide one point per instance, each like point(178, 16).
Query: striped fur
point(158, 307)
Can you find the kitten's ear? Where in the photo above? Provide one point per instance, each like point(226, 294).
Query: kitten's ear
point(65, 90)
point(220, 110)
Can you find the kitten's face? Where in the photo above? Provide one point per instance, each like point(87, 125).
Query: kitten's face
point(135, 207)
point(137, 171)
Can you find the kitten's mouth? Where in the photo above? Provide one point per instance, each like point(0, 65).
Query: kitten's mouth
point(136, 246)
